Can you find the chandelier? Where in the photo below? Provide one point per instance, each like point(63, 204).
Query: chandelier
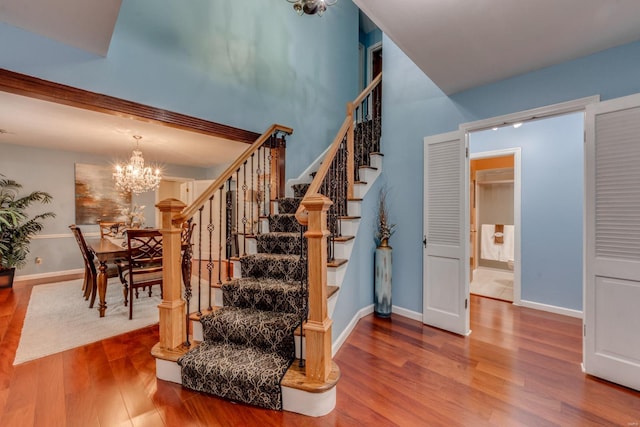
point(311, 7)
point(134, 177)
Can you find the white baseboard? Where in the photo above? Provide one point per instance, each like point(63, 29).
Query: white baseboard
point(552, 309)
point(347, 331)
point(414, 315)
point(48, 275)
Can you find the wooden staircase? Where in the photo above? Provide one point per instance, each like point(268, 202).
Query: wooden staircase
point(262, 259)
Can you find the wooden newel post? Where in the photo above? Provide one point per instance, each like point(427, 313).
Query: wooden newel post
point(318, 327)
point(172, 315)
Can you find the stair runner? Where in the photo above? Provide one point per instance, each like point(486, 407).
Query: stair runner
point(248, 344)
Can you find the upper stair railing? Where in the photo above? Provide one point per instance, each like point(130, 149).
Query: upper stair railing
point(212, 231)
point(323, 208)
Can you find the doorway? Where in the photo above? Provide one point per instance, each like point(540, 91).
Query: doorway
point(493, 184)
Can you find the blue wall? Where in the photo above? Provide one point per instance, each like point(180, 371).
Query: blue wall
point(552, 202)
point(247, 64)
point(414, 108)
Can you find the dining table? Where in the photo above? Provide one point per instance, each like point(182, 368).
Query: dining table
point(106, 250)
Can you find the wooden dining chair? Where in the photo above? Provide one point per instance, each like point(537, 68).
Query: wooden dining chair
point(111, 229)
point(89, 285)
point(143, 267)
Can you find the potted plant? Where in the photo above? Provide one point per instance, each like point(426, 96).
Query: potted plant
point(382, 263)
point(16, 228)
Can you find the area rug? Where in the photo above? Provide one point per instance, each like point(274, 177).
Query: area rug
point(58, 318)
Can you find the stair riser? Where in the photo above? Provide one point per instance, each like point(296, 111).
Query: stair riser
point(288, 271)
point(288, 205)
point(354, 207)
point(343, 249)
point(283, 223)
point(289, 245)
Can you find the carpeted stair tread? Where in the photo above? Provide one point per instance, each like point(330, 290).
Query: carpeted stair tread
point(275, 266)
point(265, 294)
point(288, 205)
point(236, 372)
point(284, 223)
point(280, 243)
point(267, 330)
point(299, 190)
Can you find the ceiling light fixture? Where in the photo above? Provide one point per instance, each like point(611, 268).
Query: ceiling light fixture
point(517, 125)
point(311, 7)
point(134, 177)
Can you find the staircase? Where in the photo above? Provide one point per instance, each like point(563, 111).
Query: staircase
point(248, 344)
point(283, 286)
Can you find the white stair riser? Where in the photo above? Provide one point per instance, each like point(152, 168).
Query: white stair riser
point(349, 227)
point(376, 161)
point(335, 275)
point(368, 175)
point(343, 249)
point(354, 207)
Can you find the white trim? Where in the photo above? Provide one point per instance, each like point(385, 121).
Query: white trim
point(63, 236)
point(350, 327)
point(551, 309)
point(409, 314)
point(48, 275)
point(373, 48)
point(517, 213)
point(535, 113)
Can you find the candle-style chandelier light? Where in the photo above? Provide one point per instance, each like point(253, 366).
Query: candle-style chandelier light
point(134, 177)
point(311, 7)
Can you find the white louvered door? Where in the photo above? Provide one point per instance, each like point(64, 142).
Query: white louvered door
point(446, 223)
point(612, 288)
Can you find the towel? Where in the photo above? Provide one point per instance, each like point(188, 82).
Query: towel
point(490, 250)
point(498, 234)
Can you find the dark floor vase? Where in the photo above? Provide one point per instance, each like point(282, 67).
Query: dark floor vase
point(382, 289)
point(6, 277)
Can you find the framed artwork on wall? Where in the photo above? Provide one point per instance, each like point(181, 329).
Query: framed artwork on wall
point(97, 198)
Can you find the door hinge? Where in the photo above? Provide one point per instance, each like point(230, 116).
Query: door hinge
point(424, 241)
point(466, 303)
point(466, 151)
point(584, 330)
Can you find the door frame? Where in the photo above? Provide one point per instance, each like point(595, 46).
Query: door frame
point(517, 205)
point(577, 105)
point(374, 47)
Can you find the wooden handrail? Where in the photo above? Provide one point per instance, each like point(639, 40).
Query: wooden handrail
point(367, 89)
point(190, 210)
point(301, 214)
point(347, 126)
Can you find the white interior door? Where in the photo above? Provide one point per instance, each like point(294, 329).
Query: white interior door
point(612, 288)
point(446, 230)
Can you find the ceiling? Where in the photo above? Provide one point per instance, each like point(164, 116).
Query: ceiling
point(461, 44)
point(62, 127)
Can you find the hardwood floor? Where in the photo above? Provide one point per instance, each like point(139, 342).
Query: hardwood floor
point(518, 367)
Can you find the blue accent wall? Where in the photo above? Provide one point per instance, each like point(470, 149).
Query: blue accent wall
point(414, 107)
point(246, 64)
point(552, 190)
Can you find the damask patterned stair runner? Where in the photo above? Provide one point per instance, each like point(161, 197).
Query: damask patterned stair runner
point(249, 343)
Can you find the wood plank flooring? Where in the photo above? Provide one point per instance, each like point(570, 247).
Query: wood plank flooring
point(519, 367)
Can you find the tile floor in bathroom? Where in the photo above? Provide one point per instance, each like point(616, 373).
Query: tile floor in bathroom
point(492, 283)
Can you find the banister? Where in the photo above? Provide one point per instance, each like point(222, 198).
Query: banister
point(347, 126)
point(367, 89)
point(324, 167)
point(190, 210)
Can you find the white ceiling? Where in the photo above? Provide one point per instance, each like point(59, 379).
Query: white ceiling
point(33, 122)
point(85, 24)
point(461, 44)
